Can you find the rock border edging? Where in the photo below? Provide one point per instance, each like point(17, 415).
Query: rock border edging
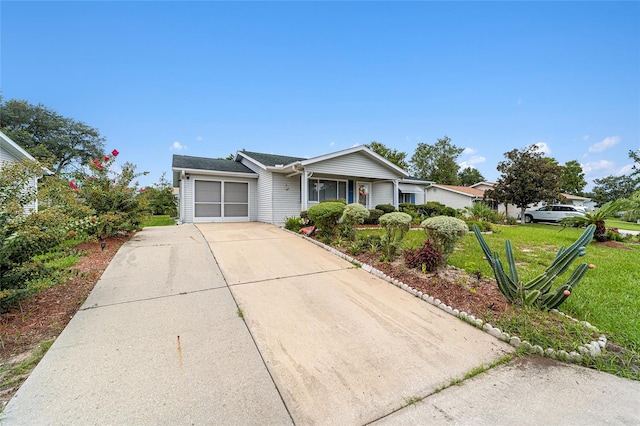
point(591, 350)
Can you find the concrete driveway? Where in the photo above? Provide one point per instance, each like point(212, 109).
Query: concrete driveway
point(343, 346)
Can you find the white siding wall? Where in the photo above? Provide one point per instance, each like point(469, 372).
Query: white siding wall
point(187, 199)
point(420, 198)
point(381, 193)
point(356, 164)
point(286, 197)
point(448, 198)
point(5, 156)
point(264, 192)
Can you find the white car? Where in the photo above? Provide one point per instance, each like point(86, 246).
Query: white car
point(553, 213)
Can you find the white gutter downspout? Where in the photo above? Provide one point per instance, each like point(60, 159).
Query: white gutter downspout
point(181, 199)
point(305, 189)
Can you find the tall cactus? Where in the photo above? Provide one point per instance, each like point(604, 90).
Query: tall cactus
point(537, 291)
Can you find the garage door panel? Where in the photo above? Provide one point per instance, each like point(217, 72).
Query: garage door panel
point(221, 201)
point(235, 192)
point(208, 210)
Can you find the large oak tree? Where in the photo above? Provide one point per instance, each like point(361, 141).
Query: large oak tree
point(60, 142)
point(437, 162)
point(398, 158)
point(527, 177)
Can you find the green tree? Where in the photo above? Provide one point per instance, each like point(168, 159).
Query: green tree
point(612, 188)
point(160, 197)
point(398, 158)
point(470, 176)
point(572, 178)
point(60, 142)
point(437, 162)
point(598, 218)
point(527, 177)
point(635, 156)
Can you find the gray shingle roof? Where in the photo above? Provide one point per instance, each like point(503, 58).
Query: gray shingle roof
point(272, 159)
point(213, 164)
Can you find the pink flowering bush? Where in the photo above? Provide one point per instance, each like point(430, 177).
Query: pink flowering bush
point(111, 195)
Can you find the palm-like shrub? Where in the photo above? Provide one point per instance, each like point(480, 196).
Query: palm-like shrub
point(597, 218)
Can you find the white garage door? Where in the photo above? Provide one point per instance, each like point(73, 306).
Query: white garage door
point(221, 201)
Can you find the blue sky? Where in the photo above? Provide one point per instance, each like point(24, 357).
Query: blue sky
point(308, 78)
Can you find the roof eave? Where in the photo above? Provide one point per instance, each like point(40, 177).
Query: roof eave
point(215, 172)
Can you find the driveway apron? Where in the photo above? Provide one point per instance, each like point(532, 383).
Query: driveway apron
point(158, 342)
point(343, 346)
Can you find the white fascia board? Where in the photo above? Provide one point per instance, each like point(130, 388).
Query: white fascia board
point(15, 149)
point(359, 148)
point(216, 173)
point(257, 163)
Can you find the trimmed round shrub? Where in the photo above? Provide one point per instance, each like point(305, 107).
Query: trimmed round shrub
point(326, 216)
point(387, 208)
point(374, 215)
point(445, 232)
point(353, 214)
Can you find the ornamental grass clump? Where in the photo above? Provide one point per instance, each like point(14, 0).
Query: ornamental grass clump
point(326, 217)
point(537, 292)
point(353, 214)
point(396, 225)
point(444, 232)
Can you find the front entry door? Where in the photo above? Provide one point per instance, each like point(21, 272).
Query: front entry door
point(363, 193)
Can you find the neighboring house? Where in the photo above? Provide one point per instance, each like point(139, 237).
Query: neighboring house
point(12, 152)
point(454, 196)
point(576, 200)
point(269, 188)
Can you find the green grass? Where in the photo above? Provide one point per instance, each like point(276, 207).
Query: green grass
point(159, 220)
point(620, 224)
point(608, 296)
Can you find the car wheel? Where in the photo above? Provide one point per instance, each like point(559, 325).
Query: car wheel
point(528, 218)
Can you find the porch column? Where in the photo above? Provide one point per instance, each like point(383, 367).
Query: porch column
point(395, 194)
point(305, 189)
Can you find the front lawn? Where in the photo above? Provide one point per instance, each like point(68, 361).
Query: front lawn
point(608, 297)
point(621, 224)
point(159, 220)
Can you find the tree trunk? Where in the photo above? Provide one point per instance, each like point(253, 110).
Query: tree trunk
point(601, 231)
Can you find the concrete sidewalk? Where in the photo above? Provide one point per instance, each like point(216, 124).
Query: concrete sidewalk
point(158, 341)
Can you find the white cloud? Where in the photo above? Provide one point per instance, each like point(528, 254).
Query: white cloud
point(585, 138)
point(465, 165)
point(519, 102)
point(476, 160)
point(354, 145)
point(604, 144)
point(332, 143)
point(468, 151)
point(199, 138)
point(625, 170)
point(598, 166)
point(543, 148)
point(177, 146)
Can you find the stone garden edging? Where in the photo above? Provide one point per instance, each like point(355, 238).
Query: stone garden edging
point(591, 350)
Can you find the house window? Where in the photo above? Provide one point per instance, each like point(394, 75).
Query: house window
point(406, 197)
point(325, 189)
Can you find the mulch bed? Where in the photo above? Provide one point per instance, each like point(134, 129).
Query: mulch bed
point(43, 316)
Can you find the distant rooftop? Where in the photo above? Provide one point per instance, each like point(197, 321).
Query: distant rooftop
point(214, 164)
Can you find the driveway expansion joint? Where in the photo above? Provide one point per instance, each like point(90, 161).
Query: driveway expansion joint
point(292, 276)
point(126, 302)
